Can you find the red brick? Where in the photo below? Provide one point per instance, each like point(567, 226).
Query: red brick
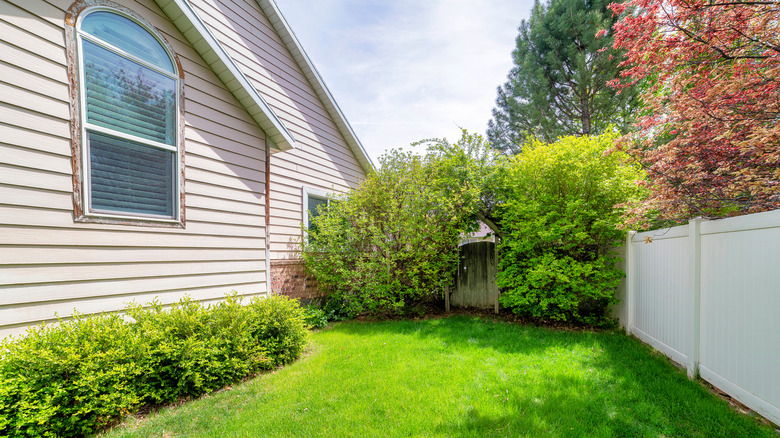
point(288, 277)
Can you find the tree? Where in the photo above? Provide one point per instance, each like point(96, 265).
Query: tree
point(709, 136)
point(558, 85)
point(469, 168)
point(393, 242)
point(560, 226)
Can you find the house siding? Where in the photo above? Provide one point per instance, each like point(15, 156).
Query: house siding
point(322, 159)
point(51, 264)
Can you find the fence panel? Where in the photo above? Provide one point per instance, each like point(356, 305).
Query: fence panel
point(707, 295)
point(740, 309)
point(662, 302)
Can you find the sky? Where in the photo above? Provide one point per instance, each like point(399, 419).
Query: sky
point(407, 70)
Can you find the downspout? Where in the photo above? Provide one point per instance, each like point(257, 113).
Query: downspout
point(268, 276)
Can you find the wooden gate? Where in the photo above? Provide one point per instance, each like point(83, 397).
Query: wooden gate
point(476, 280)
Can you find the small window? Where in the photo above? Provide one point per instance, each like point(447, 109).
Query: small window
point(314, 202)
point(129, 105)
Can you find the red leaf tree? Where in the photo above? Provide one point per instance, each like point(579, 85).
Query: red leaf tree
point(709, 135)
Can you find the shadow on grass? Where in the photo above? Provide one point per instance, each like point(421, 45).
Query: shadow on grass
point(613, 386)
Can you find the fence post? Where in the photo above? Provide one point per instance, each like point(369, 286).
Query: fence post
point(694, 236)
point(630, 282)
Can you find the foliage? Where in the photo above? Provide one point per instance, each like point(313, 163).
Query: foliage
point(315, 317)
point(190, 349)
point(558, 85)
point(326, 309)
point(336, 309)
point(392, 243)
point(69, 379)
point(468, 171)
point(560, 225)
point(277, 325)
point(80, 375)
point(461, 377)
point(710, 138)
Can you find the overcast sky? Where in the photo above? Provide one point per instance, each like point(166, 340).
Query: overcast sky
point(406, 70)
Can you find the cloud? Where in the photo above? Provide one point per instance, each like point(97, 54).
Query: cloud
point(406, 70)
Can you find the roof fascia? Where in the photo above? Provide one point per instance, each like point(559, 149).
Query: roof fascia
point(195, 31)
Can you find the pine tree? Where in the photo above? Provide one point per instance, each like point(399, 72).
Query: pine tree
point(558, 85)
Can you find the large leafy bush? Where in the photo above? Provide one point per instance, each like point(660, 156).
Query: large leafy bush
point(558, 215)
point(75, 377)
point(392, 242)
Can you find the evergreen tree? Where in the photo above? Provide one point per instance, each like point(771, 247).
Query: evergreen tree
point(558, 85)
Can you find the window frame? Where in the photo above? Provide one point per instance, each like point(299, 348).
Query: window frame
point(83, 211)
point(309, 192)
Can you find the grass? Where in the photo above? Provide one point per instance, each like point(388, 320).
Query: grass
point(460, 377)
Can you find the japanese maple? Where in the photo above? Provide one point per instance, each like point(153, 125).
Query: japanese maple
point(709, 135)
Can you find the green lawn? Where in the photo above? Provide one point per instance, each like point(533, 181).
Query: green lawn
point(460, 377)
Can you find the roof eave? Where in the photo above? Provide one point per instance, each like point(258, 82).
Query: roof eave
point(194, 30)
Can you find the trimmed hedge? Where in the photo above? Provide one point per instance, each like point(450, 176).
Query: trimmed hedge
point(76, 377)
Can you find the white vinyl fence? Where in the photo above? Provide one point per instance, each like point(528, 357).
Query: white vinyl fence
point(707, 295)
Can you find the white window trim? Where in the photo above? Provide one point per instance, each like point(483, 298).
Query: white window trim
point(313, 193)
point(88, 211)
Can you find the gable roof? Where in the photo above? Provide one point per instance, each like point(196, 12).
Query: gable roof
point(197, 33)
point(284, 30)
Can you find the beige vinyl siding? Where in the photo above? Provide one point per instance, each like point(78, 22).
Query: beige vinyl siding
point(48, 262)
point(322, 159)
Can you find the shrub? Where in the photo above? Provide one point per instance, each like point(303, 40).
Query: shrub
point(82, 374)
point(383, 247)
point(336, 309)
point(277, 324)
point(392, 243)
point(69, 379)
point(191, 349)
point(560, 224)
point(315, 317)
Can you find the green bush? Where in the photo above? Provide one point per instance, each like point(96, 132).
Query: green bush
point(326, 309)
point(392, 243)
point(315, 317)
point(76, 377)
point(336, 309)
point(191, 349)
point(560, 224)
point(69, 379)
point(277, 325)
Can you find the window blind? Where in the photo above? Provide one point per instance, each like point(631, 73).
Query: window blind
point(128, 97)
point(130, 177)
point(131, 112)
point(128, 36)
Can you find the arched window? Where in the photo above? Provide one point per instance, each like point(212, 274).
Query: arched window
point(129, 109)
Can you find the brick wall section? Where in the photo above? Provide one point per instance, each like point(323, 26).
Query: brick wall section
point(289, 278)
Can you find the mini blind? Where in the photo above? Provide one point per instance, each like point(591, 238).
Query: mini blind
point(130, 177)
point(128, 97)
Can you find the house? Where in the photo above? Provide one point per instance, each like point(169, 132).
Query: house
point(484, 234)
point(155, 148)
